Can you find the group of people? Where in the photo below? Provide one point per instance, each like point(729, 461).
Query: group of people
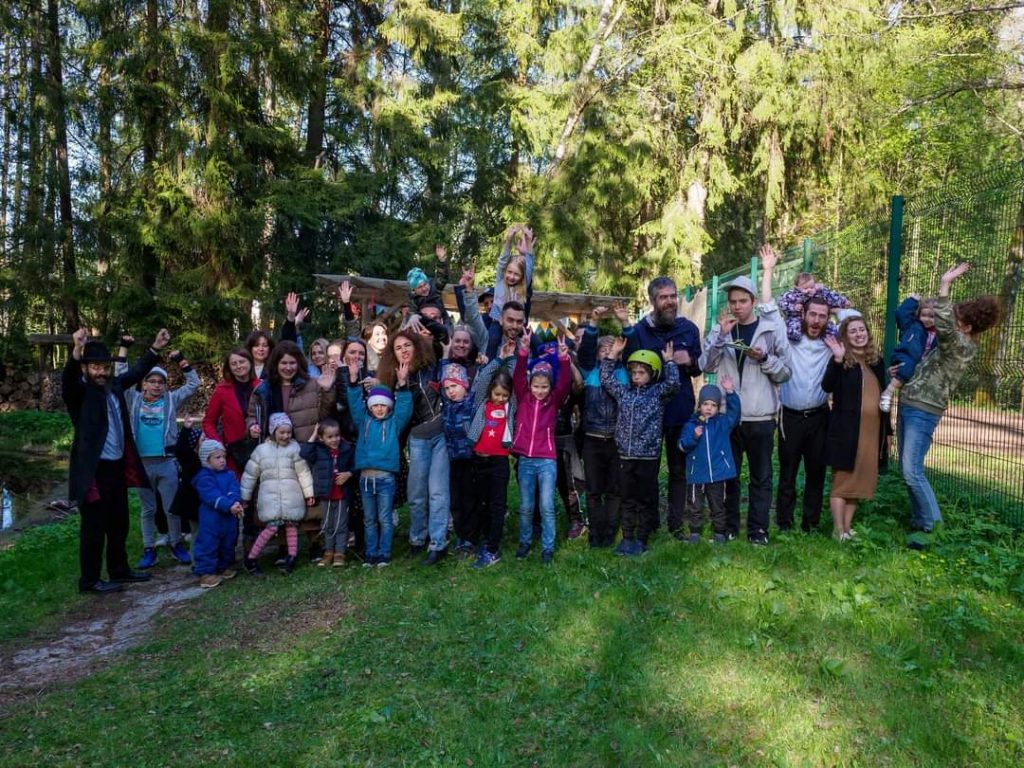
point(437, 413)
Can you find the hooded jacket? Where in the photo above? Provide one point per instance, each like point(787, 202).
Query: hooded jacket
point(535, 419)
point(481, 384)
point(173, 400)
point(640, 425)
point(600, 411)
point(757, 385)
point(709, 457)
point(285, 482)
point(377, 446)
point(218, 490)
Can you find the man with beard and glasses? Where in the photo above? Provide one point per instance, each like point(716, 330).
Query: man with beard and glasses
point(104, 459)
point(659, 327)
point(804, 408)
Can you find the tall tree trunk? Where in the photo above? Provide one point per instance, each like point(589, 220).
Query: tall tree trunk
point(150, 135)
point(58, 114)
point(104, 240)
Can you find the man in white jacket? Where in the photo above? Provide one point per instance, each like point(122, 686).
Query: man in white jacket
point(754, 352)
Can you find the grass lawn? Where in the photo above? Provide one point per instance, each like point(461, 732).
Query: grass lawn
point(802, 653)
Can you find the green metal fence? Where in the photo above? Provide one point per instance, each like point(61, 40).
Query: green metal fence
point(978, 449)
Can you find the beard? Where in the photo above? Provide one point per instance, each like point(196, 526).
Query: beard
point(665, 317)
point(102, 381)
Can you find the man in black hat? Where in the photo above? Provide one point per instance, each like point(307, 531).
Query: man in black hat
point(104, 460)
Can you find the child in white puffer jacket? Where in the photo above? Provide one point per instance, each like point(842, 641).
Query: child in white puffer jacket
point(286, 489)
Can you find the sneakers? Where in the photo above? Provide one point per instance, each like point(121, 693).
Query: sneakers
point(370, 561)
point(758, 538)
point(210, 581)
point(546, 556)
point(161, 540)
point(434, 557)
point(576, 529)
point(289, 565)
point(464, 550)
point(252, 567)
point(522, 551)
point(625, 548)
point(383, 561)
point(487, 559)
point(148, 559)
point(316, 553)
point(326, 559)
point(180, 552)
point(720, 538)
point(694, 538)
point(227, 574)
point(337, 560)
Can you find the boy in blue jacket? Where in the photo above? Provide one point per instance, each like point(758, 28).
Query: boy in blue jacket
point(916, 321)
point(220, 509)
point(709, 463)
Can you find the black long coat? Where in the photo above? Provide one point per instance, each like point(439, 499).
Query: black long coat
point(845, 385)
point(87, 406)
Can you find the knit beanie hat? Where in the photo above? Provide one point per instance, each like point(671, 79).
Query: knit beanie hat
point(710, 392)
point(156, 370)
point(543, 368)
point(454, 373)
point(380, 396)
point(207, 448)
point(416, 278)
point(278, 420)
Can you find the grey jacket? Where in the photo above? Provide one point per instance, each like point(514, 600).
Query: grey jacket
point(173, 401)
point(481, 384)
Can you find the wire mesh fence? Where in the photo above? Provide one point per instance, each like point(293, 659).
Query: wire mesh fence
point(978, 448)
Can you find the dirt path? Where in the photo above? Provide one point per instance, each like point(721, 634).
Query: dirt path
point(104, 628)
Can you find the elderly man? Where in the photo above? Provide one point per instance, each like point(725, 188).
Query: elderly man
point(659, 327)
point(104, 459)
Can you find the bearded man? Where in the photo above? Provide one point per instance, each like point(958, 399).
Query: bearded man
point(104, 459)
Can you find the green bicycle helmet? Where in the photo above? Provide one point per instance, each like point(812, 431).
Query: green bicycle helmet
point(651, 359)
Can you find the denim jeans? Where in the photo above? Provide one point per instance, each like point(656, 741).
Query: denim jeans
point(428, 491)
point(537, 477)
point(163, 479)
point(378, 495)
point(914, 430)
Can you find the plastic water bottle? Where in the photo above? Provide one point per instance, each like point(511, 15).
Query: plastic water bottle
point(8, 510)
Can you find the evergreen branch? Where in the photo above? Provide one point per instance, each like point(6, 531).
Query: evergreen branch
point(944, 93)
point(966, 11)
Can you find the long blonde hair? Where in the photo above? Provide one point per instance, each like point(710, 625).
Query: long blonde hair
point(869, 355)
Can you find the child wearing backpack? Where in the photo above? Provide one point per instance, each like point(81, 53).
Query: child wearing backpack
point(220, 509)
point(638, 436)
point(706, 442)
point(379, 421)
point(286, 489)
point(329, 457)
point(539, 395)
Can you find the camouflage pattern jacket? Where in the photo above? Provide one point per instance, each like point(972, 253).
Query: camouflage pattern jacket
point(940, 372)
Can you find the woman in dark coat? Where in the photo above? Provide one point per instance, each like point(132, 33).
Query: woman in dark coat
point(858, 431)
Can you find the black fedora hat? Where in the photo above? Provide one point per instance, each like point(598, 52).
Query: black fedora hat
point(95, 352)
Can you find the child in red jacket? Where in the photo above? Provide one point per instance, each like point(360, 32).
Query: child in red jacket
point(539, 394)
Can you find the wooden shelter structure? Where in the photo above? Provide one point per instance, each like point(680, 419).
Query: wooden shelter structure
point(394, 293)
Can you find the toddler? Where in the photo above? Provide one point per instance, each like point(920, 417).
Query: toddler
point(539, 396)
point(916, 322)
point(638, 436)
point(220, 509)
point(286, 489)
point(330, 460)
point(379, 421)
point(791, 304)
point(709, 463)
point(423, 291)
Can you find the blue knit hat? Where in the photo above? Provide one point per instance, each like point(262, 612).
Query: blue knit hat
point(380, 396)
point(416, 278)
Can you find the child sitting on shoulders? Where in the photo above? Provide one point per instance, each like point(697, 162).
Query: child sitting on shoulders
point(329, 457)
point(286, 489)
point(423, 291)
point(539, 395)
point(638, 436)
point(379, 421)
point(513, 281)
point(220, 509)
point(916, 322)
point(709, 463)
point(791, 304)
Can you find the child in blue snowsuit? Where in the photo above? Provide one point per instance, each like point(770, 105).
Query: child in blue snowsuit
point(709, 461)
point(220, 509)
point(916, 322)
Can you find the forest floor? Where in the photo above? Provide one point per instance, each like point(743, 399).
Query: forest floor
point(806, 652)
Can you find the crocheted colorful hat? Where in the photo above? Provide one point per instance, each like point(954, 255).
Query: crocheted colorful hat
point(380, 396)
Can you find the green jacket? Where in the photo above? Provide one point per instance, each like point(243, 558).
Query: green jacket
point(940, 372)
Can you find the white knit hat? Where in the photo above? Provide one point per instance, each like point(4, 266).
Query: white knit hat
point(278, 420)
point(207, 448)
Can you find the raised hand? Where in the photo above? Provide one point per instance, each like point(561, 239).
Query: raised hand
point(345, 292)
point(301, 316)
point(597, 313)
point(468, 280)
point(291, 305)
point(403, 374)
point(726, 323)
point(510, 234)
point(316, 434)
point(163, 338)
point(953, 273)
point(563, 347)
point(666, 353)
point(446, 347)
point(836, 347)
point(621, 312)
point(727, 383)
point(441, 252)
point(326, 379)
point(769, 258)
point(526, 241)
point(353, 372)
point(524, 340)
point(127, 340)
point(618, 346)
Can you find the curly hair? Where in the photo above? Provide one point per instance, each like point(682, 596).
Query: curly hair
point(980, 313)
point(423, 357)
point(869, 355)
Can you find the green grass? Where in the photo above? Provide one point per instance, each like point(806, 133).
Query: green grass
point(804, 653)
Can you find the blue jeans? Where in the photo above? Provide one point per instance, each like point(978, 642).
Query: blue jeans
point(537, 475)
point(428, 491)
point(378, 495)
point(914, 430)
